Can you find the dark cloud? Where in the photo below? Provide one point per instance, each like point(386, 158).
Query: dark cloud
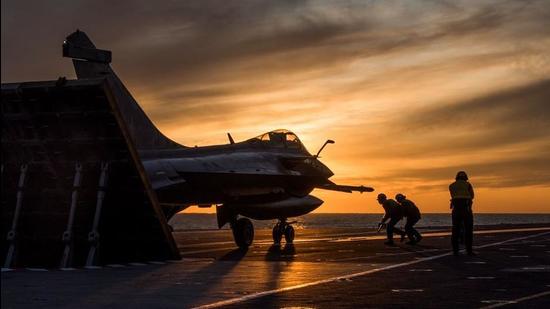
point(313, 46)
point(524, 106)
point(500, 119)
point(163, 43)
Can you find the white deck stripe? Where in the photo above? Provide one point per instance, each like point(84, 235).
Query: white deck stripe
point(349, 276)
point(36, 269)
point(515, 301)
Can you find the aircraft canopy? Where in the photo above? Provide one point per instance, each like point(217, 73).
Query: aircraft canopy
point(279, 138)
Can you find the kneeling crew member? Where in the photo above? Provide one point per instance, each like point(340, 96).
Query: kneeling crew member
point(462, 194)
point(392, 212)
point(413, 216)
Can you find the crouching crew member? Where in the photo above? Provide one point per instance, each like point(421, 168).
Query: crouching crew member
point(413, 216)
point(462, 194)
point(393, 213)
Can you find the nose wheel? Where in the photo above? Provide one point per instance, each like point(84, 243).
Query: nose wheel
point(282, 228)
point(243, 232)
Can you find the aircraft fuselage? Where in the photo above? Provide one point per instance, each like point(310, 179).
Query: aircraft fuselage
point(252, 178)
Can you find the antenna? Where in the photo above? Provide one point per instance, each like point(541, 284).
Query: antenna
point(231, 141)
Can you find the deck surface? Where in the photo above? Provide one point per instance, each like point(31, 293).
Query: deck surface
point(325, 268)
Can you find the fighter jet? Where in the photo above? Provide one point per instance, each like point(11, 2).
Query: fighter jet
point(266, 177)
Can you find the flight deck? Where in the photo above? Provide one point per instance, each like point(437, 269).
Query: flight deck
point(325, 268)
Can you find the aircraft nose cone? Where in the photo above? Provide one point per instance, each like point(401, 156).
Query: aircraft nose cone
point(325, 171)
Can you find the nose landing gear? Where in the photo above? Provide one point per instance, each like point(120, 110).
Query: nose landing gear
point(283, 228)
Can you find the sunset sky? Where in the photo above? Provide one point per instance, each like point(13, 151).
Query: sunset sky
point(411, 91)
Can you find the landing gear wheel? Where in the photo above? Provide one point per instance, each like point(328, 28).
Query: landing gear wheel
point(289, 234)
point(283, 228)
point(277, 234)
point(243, 233)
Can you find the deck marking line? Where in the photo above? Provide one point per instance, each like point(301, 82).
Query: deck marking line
point(344, 277)
point(515, 301)
point(407, 290)
point(480, 278)
point(36, 269)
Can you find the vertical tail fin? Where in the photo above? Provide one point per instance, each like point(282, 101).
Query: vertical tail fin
point(90, 62)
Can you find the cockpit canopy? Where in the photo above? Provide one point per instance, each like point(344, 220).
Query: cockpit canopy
point(279, 138)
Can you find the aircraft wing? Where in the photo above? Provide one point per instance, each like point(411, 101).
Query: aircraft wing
point(343, 188)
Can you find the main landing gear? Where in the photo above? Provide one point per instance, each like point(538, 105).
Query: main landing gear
point(243, 232)
point(283, 228)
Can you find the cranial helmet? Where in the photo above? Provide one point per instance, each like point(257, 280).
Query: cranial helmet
point(461, 176)
point(400, 197)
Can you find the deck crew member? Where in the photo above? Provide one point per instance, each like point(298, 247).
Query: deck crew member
point(462, 194)
point(393, 213)
point(413, 216)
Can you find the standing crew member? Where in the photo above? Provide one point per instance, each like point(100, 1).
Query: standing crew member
point(393, 212)
point(413, 216)
point(462, 194)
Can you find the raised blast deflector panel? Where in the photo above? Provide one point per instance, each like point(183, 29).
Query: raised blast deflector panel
point(85, 199)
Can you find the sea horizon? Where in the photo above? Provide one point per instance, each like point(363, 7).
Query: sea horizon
point(208, 221)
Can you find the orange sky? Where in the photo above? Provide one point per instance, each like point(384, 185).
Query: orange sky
point(411, 91)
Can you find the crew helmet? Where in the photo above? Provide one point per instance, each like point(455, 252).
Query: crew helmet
point(461, 176)
point(400, 197)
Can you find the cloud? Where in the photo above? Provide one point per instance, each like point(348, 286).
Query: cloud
point(529, 170)
point(507, 117)
point(280, 54)
point(524, 105)
point(196, 40)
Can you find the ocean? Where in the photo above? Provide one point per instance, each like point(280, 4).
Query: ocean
point(190, 221)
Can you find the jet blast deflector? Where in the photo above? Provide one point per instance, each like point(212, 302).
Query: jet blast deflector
point(74, 190)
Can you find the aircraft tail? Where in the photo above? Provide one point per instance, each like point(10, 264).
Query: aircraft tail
point(91, 63)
